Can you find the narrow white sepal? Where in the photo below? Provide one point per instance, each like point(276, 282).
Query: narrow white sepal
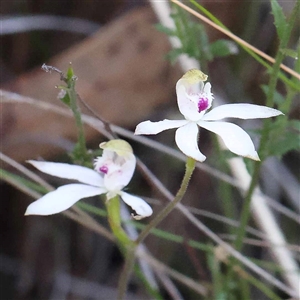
point(186, 138)
point(141, 207)
point(62, 198)
point(241, 111)
point(149, 127)
point(234, 137)
point(73, 172)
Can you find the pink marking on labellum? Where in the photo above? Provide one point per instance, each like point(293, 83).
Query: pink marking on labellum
point(103, 169)
point(202, 104)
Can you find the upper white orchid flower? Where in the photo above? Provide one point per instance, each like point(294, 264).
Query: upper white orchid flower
point(113, 171)
point(194, 99)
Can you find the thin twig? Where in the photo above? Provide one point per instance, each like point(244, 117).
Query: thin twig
point(107, 126)
point(25, 171)
point(220, 218)
point(93, 226)
point(213, 216)
point(87, 219)
point(169, 286)
point(172, 273)
point(15, 183)
point(260, 243)
point(189, 169)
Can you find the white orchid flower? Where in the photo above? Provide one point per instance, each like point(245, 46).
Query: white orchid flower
point(194, 99)
point(113, 171)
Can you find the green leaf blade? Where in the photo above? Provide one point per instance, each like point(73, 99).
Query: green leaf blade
point(280, 21)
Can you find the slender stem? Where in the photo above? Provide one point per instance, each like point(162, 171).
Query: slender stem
point(126, 244)
point(81, 145)
point(114, 219)
point(125, 275)
point(80, 151)
point(108, 127)
point(190, 166)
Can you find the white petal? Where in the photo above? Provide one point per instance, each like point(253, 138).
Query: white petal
point(187, 141)
point(241, 111)
point(62, 198)
point(117, 180)
point(149, 127)
point(74, 172)
point(234, 137)
point(141, 207)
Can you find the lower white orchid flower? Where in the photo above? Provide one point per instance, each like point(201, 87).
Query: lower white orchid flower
point(194, 100)
point(113, 171)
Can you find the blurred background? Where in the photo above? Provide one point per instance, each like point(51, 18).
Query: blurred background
point(120, 58)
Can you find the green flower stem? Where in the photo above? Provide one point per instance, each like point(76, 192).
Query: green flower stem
point(126, 244)
point(125, 275)
point(265, 133)
point(190, 166)
point(114, 219)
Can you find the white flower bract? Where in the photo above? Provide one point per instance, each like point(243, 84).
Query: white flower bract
point(194, 99)
point(113, 171)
